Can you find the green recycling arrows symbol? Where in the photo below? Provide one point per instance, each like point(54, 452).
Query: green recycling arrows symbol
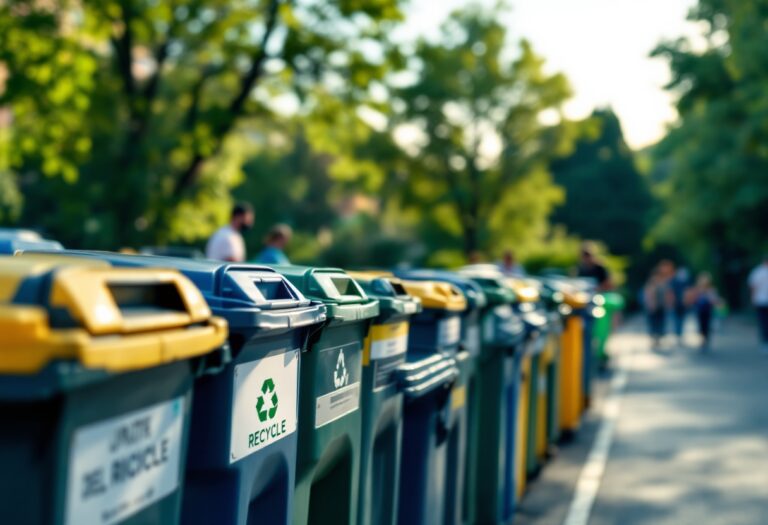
point(268, 387)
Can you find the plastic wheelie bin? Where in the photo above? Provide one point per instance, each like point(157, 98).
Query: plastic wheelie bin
point(429, 413)
point(96, 372)
point(613, 304)
point(242, 452)
point(572, 361)
point(382, 399)
point(330, 423)
point(553, 302)
point(492, 497)
point(463, 432)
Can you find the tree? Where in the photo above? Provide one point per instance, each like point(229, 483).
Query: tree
point(132, 118)
point(479, 149)
point(716, 156)
point(606, 197)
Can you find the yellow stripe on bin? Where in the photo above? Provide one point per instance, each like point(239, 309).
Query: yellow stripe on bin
point(383, 332)
point(458, 397)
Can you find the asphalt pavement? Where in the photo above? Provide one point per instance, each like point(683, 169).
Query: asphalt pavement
point(681, 438)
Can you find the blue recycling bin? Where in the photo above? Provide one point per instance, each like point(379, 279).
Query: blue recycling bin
point(432, 412)
point(242, 451)
point(464, 423)
point(536, 329)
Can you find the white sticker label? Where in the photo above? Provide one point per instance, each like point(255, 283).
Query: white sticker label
point(473, 339)
point(385, 348)
point(264, 403)
point(449, 331)
point(337, 404)
point(119, 466)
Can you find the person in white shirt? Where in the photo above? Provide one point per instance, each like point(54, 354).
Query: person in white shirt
point(227, 243)
point(758, 285)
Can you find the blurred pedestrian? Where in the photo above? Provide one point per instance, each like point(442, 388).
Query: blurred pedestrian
point(703, 298)
point(509, 265)
point(275, 243)
point(591, 268)
point(656, 299)
point(758, 285)
point(227, 243)
point(679, 285)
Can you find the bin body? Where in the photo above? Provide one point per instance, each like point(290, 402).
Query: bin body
point(536, 328)
point(523, 423)
point(553, 378)
point(242, 456)
point(382, 399)
point(490, 489)
point(95, 427)
point(329, 444)
point(613, 305)
point(571, 374)
point(433, 437)
point(464, 422)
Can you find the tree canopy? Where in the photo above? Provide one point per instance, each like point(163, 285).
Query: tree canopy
point(716, 158)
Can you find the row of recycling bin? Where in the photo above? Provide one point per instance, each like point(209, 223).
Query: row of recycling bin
point(137, 389)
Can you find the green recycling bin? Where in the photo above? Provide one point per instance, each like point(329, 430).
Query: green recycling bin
point(557, 311)
point(382, 399)
point(612, 304)
point(492, 495)
point(96, 373)
point(330, 422)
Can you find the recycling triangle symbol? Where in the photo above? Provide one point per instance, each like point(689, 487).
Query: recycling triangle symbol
point(340, 374)
point(264, 413)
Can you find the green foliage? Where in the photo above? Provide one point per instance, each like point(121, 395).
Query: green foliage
point(132, 118)
point(477, 148)
point(716, 159)
point(606, 196)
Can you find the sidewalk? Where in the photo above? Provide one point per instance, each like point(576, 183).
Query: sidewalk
point(690, 443)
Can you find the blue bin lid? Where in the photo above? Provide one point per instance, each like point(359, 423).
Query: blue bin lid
point(13, 240)
point(472, 291)
point(246, 295)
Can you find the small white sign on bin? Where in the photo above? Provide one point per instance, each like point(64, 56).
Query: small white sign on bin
point(119, 466)
point(264, 403)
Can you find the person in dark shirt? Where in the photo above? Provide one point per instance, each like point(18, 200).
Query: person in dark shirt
point(590, 267)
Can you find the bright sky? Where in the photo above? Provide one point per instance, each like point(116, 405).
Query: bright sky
point(601, 45)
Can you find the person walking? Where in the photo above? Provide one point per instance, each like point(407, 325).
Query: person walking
point(656, 298)
point(679, 284)
point(509, 265)
point(591, 268)
point(274, 246)
point(703, 298)
point(227, 243)
point(758, 285)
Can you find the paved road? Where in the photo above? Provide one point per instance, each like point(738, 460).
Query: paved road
point(690, 442)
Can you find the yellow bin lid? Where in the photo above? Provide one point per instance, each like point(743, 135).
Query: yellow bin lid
point(117, 319)
point(436, 295)
point(525, 291)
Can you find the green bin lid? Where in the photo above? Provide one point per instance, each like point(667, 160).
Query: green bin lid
point(495, 289)
point(342, 295)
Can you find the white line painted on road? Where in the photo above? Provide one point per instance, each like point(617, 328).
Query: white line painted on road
point(592, 473)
